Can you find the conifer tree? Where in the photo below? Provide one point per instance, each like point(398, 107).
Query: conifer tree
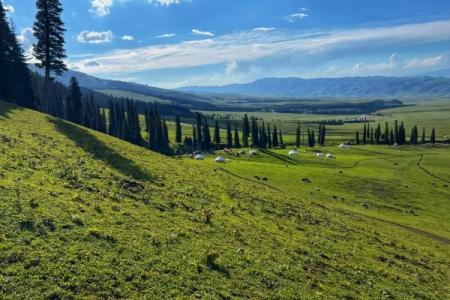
point(245, 131)
point(15, 77)
point(269, 137)
point(391, 137)
point(178, 130)
point(255, 132)
point(313, 138)
point(275, 143)
point(364, 141)
point(73, 106)
point(424, 138)
point(237, 143)
point(298, 136)
point(323, 134)
point(217, 139)
point(386, 134)
point(199, 146)
point(229, 136)
point(49, 32)
point(372, 136)
point(378, 134)
point(281, 140)
point(194, 137)
point(357, 138)
point(206, 135)
point(433, 136)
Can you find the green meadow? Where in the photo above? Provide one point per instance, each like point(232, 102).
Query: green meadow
point(87, 216)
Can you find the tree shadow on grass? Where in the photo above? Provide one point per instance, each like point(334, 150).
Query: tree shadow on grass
point(89, 143)
point(280, 157)
point(6, 108)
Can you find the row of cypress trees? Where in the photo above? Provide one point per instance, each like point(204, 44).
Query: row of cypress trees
point(393, 135)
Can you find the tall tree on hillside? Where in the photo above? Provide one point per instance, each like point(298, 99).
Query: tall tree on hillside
point(49, 32)
point(194, 137)
point(269, 137)
point(245, 131)
point(199, 146)
point(378, 134)
point(217, 139)
point(424, 138)
point(178, 130)
point(275, 142)
point(73, 105)
point(433, 136)
point(206, 135)
point(15, 83)
point(364, 139)
point(281, 140)
point(298, 140)
point(229, 136)
point(372, 136)
point(237, 143)
point(386, 134)
point(357, 138)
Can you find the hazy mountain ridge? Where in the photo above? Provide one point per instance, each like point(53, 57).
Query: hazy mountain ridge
point(347, 87)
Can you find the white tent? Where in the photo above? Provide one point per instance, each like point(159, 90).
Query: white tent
point(293, 153)
point(220, 159)
point(199, 157)
point(344, 146)
point(252, 152)
point(395, 145)
point(330, 156)
point(320, 155)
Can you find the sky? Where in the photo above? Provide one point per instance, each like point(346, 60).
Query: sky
point(175, 43)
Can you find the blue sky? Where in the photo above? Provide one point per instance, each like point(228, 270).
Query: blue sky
point(173, 43)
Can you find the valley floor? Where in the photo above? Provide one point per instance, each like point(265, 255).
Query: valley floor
point(84, 215)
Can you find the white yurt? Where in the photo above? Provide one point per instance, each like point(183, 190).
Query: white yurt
point(199, 157)
point(395, 145)
point(252, 152)
point(320, 155)
point(293, 152)
point(330, 156)
point(344, 146)
point(220, 159)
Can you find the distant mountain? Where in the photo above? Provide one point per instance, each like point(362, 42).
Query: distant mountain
point(349, 87)
point(438, 73)
point(93, 83)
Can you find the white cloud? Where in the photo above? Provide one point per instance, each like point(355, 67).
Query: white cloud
point(165, 35)
point(127, 38)
point(204, 33)
point(26, 39)
point(9, 8)
point(297, 16)
point(231, 67)
point(249, 46)
point(101, 7)
point(425, 63)
point(94, 37)
point(167, 2)
point(263, 29)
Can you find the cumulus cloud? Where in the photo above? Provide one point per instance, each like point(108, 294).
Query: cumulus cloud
point(26, 39)
point(250, 46)
point(204, 33)
point(165, 35)
point(127, 38)
point(101, 7)
point(9, 8)
point(231, 67)
point(94, 37)
point(297, 16)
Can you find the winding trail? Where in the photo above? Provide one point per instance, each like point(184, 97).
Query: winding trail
point(419, 165)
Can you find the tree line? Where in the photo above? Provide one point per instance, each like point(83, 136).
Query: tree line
point(393, 135)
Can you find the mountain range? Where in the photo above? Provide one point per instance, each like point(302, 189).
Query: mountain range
point(348, 87)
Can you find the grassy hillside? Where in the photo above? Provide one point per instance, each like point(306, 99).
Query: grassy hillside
point(84, 215)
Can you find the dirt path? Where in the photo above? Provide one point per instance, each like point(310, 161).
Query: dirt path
point(420, 232)
point(248, 179)
point(419, 165)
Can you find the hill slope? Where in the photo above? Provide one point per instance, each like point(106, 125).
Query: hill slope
point(86, 215)
point(97, 84)
point(351, 87)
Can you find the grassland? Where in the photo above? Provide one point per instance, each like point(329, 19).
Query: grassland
point(84, 215)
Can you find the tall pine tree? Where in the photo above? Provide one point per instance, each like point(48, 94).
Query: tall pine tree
point(49, 32)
